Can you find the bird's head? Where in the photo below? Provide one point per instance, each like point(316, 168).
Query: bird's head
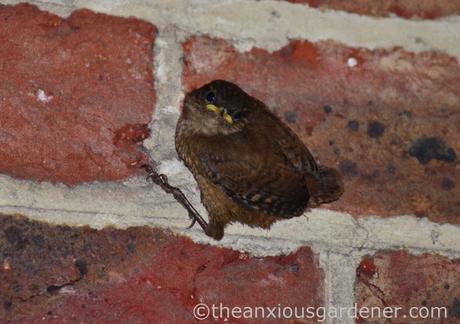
point(218, 107)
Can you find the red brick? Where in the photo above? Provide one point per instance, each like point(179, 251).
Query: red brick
point(67, 88)
point(389, 123)
point(404, 280)
point(140, 275)
point(422, 9)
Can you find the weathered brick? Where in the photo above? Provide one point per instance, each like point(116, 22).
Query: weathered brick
point(140, 275)
point(398, 279)
point(68, 89)
point(424, 9)
point(369, 113)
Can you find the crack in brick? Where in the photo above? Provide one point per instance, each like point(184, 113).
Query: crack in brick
point(378, 293)
point(198, 270)
point(51, 289)
point(366, 231)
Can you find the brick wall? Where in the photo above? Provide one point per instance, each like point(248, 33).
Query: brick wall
point(87, 95)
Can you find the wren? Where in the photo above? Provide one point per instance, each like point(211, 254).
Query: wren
point(249, 166)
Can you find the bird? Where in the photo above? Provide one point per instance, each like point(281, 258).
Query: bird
point(249, 166)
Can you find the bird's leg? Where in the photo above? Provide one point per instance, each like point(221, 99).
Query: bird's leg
point(162, 181)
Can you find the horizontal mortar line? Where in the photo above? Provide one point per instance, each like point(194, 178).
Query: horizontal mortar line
point(53, 7)
point(251, 22)
point(40, 3)
point(387, 246)
point(254, 245)
point(303, 23)
point(85, 212)
point(413, 249)
point(321, 244)
point(177, 229)
point(316, 245)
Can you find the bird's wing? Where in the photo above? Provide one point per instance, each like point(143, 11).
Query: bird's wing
point(255, 179)
point(289, 144)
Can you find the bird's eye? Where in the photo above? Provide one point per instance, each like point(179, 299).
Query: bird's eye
point(237, 116)
point(211, 97)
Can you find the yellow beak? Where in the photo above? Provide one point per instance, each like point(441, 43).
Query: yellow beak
point(213, 108)
point(228, 118)
point(219, 110)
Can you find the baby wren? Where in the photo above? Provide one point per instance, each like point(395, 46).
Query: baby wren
point(249, 166)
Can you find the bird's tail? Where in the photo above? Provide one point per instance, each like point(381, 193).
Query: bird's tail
point(328, 187)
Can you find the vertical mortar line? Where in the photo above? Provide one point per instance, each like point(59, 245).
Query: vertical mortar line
point(342, 276)
point(160, 146)
point(167, 69)
point(324, 264)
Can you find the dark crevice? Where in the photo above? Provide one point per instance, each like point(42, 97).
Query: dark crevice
point(52, 289)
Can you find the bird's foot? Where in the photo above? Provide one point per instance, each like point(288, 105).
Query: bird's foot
point(215, 230)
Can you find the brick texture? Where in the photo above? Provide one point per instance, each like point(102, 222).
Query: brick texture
point(387, 119)
point(398, 279)
point(76, 94)
point(418, 9)
point(138, 275)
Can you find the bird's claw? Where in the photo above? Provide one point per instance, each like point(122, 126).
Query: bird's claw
point(164, 178)
point(192, 224)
